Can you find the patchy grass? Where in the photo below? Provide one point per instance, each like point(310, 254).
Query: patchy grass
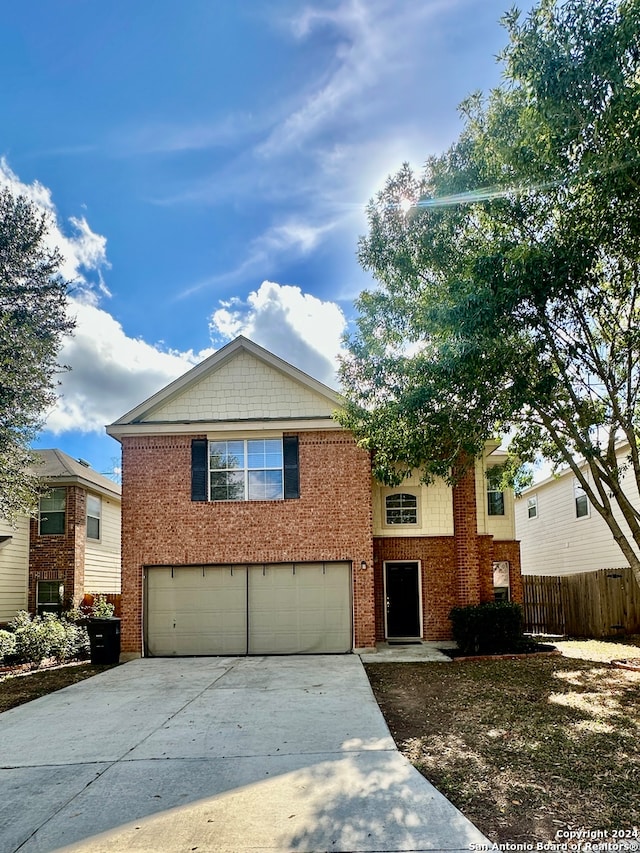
point(19, 685)
point(523, 747)
point(601, 650)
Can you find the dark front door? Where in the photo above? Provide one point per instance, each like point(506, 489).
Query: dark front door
point(403, 600)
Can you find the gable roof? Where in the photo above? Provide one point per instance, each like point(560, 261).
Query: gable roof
point(58, 468)
point(211, 396)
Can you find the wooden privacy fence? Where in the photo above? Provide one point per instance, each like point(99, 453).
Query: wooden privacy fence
point(114, 598)
point(605, 603)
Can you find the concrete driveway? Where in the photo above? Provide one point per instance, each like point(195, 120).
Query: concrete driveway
point(216, 754)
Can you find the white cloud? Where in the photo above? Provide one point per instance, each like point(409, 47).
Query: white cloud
point(293, 238)
point(84, 253)
point(297, 326)
point(110, 372)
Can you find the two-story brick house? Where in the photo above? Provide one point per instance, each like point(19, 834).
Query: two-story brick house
point(69, 548)
point(74, 541)
point(251, 524)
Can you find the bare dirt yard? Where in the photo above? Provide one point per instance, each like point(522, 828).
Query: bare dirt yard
point(527, 748)
point(21, 684)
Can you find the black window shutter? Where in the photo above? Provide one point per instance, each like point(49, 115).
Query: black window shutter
point(291, 469)
point(199, 469)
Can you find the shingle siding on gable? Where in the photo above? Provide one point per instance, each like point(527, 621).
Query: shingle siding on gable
point(243, 388)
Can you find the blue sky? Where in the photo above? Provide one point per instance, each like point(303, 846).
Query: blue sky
point(206, 166)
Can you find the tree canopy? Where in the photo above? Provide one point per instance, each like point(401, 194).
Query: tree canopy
point(33, 319)
point(508, 272)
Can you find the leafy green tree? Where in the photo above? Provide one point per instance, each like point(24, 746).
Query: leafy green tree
point(508, 273)
point(33, 320)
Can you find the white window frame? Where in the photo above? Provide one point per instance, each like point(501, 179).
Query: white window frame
point(52, 494)
point(245, 469)
point(579, 492)
point(97, 498)
point(532, 504)
point(493, 491)
point(395, 493)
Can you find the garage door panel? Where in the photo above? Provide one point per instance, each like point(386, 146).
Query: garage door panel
point(289, 605)
point(233, 610)
point(191, 611)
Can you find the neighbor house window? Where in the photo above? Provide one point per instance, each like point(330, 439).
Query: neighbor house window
point(52, 512)
point(401, 508)
point(49, 597)
point(246, 470)
point(532, 507)
point(495, 495)
point(94, 516)
point(581, 500)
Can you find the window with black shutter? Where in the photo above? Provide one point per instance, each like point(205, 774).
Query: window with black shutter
point(291, 467)
point(199, 469)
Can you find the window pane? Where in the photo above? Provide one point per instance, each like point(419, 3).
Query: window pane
point(94, 508)
point(50, 592)
point(264, 453)
point(402, 508)
point(265, 485)
point(227, 486)
point(54, 501)
point(52, 522)
point(496, 503)
point(532, 507)
point(582, 506)
point(226, 454)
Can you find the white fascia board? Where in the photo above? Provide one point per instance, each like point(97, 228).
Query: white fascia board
point(118, 431)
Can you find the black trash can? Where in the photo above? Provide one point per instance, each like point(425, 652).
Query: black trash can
point(104, 640)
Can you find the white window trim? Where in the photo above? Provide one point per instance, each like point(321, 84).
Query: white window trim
point(99, 517)
point(40, 512)
point(246, 470)
point(399, 490)
point(576, 487)
point(534, 499)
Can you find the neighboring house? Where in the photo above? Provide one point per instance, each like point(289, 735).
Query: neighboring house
point(251, 524)
point(14, 567)
point(561, 534)
point(70, 548)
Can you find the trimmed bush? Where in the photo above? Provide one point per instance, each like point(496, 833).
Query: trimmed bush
point(491, 628)
point(36, 638)
point(7, 645)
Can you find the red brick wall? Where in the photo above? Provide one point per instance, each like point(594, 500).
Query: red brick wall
point(437, 556)
point(60, 556)
point(485, 577)
point(161, 525)
point(465, 530)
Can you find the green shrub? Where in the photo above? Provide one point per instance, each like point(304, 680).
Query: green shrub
point(36, 638)
point(7, 645)
point(33, 641)
point(491, 628)
point(101, 608)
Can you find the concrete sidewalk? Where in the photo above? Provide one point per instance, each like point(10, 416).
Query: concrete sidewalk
point(216, 754)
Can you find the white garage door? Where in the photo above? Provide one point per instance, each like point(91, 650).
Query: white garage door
point(291, 608)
